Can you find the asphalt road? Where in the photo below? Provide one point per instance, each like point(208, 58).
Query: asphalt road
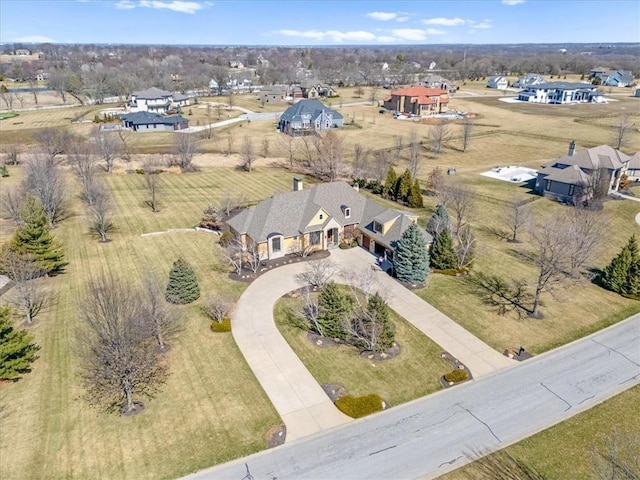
point(430, 436)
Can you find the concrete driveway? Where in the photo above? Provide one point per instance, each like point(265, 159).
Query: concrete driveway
point(301, 402)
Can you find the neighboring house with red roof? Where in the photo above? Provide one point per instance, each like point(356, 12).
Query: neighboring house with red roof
point(421, 101)
point(567, 179)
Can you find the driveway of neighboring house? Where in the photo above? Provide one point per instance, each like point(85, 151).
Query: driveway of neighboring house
point(299, 399)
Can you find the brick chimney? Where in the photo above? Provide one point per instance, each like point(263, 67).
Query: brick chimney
point(297, 184)
point(572, 148)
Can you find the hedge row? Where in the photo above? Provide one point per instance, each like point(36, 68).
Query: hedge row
point(357, 407)
point(221, 327)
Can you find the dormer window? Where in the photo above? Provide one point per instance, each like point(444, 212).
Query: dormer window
point(347, 212)
point(377, 227)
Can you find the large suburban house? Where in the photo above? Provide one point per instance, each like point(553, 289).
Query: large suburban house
point(498, 82)
point(273, 94)
point(319, 218)
point(308, 116)
point(432, 80)
point(617, 78)
point(421, 101)
point(567, 179)
point(529, 80)
point(153, 122)
point(312, 88)
point(156, 100)
point(561, 93)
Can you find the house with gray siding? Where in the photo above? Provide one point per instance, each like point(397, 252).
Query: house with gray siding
point(561, 93)
point(497, 81)
point(156, 100)
point(308, 116)
point(153, 122)
point(570, 178)
point(529, 80)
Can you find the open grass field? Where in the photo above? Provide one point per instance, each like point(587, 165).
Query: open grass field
point(412, 374)
point(212, 408)
point(570, 449)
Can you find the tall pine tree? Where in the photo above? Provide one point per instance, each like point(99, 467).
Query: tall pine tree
point(33, 240)
point(335, 307)
point(378, 312)
point(411, 259)
point(388, 191)
point(183, 284)
point(622, 275)
point(17, 350)
point(403, 186)
point(415, 196)
point(443, 256)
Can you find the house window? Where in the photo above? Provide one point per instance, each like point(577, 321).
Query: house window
point(377, 227)
point(276, 244)
point(321, 216)
point(547, 184)
point(572, 189)
point(314, 238)
point(347, 212)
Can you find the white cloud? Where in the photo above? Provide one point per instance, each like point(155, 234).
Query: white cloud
point(411, 34)
point(446, 22)
point(387, 16)
point(180, 6)
point(482, 26)
point(512, 2)
point(33, 39)
point(382, 16)
point(435, 31)
point(333, 35)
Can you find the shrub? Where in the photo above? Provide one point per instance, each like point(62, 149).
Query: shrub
point(183, 284)
point(458, 375)
point(221, 327)
point(226, 238)
point(3, 171)
point(357, 407)
point(140, 171)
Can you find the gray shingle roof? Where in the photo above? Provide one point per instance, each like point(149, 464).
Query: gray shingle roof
point(307, 107)
point(289, 213)
point(571, 175)
point(602, 156)
point(152, 93)
point(149, 118)
point(634, 162)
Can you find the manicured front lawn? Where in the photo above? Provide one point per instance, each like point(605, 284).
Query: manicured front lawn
point(412, 374)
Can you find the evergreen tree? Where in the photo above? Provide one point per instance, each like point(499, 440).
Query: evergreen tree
point(411, 259)
point(17, 350)
point(183, 284)
point(378, 311)
point(621, 275)
point(415, 196)
point(33, 240)
point(439, 220)
point(403, 186)
point(443, 256)
point(335, 305)
point(388, 191)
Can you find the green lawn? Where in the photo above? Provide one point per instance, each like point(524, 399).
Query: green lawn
point(412, 374)
point(212, 409)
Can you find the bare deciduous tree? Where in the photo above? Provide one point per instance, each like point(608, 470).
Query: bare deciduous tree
point(163, 321)
point(594, 191)
point(619, 459)
point(185, 147)
point(12, 154)
point(517, 218)
point(621, 130)
point(467, 128)
point(52, 141)
point(231, 200)
point(414, 153)
point(399, 146)
point(373, 93)
point(125, 145)
point(252, 257)
point(218, 307)
point(458, 200)
point(46, 182)
point(435, 181)
point(119, 358)
point(27, 295)
point(500, 465)
point(318, 273)
point(84, 167)
point(439, 133)
point(381, 162)
point(265, 147)
point(12, 198)
point(330, 155)
point(154, 184)
point(359, 166)
point(233, 253)
point(465, 248)
point(247, 154)
point(101, 208)
point(107, 146)
point(287, 147)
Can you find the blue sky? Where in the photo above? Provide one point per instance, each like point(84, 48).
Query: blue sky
point(328, 22)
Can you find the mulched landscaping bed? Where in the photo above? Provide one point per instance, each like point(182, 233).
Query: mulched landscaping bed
point(248, 276)
point(455, 363)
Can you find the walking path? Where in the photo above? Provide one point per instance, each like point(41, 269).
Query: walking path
point(299, 399)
